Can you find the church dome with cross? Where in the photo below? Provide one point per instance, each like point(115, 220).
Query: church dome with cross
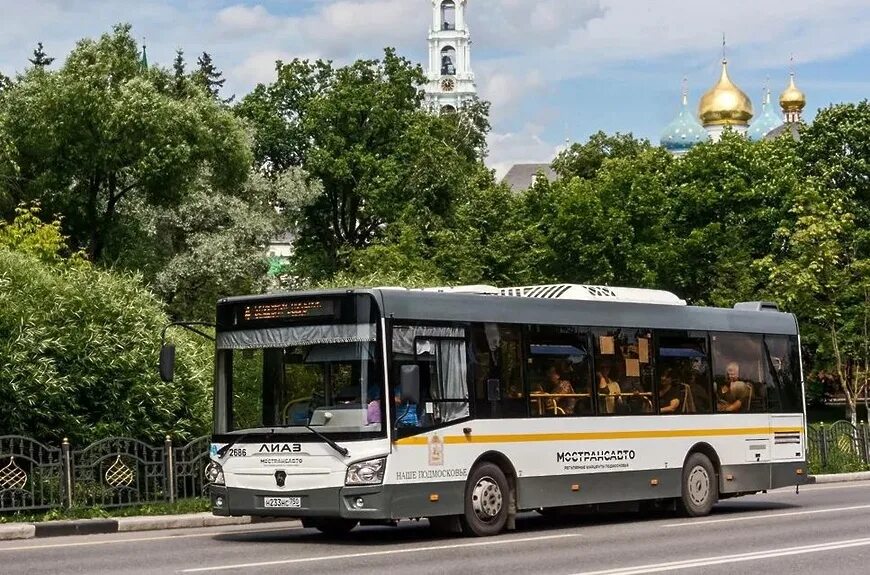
point(726, 106)
point(766, 122)
point(684, 131)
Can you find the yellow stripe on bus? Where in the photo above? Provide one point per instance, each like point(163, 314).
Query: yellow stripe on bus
point(592, 435)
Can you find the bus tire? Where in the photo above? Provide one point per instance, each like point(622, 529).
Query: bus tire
point(700, 487)
point(487, 498)
point(332, 526)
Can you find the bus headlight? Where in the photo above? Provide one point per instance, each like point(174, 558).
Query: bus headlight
point(369, 472)
point(214, 473)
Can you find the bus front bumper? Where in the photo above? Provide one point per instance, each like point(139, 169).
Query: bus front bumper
point(361, 503)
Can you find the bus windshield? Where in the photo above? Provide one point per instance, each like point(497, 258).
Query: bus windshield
point(324, 376)
point(297, 363)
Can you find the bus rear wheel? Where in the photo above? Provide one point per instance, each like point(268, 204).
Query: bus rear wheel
point(487, 495)
point(332, 526)
point(700, 489)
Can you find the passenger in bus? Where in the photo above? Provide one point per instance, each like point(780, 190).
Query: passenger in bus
point(732, 393)
point(559, 385)
point(373, 409)
point(406, 412)
point(669, 393)
point(610, 392)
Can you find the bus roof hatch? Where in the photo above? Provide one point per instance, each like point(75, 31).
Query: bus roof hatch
point(595, 293)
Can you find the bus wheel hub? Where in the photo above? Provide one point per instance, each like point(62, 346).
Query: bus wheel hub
point(486, 499)
point(699, 485)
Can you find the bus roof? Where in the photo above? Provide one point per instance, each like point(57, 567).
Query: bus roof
point(459, 306)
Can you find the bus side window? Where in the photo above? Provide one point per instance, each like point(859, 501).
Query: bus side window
point(559, 371)
point(682, 357)
point(497, 371)
point(624, 371)
point(439, 353)
point(783, 376)
point(739, 372)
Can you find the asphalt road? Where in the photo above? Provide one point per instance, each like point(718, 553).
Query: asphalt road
point(825, 529)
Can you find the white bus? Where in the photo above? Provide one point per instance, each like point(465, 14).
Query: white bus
point(467, 406)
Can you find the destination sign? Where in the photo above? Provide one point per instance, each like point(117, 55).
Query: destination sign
point(295, 309)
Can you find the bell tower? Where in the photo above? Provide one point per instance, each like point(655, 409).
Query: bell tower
point(450, 79)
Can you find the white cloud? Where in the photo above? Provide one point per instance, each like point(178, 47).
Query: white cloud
point(259, 67)
point(522, 52)
point(506, 90)
point(245, 20)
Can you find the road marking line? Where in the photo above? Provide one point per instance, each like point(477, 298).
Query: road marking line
point(722, 559)
point(141, 539)
point(766, 516)
point(805, 488)
point(381, 553)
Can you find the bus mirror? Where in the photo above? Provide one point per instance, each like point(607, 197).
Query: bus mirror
point(410, 383)
point(167, 362)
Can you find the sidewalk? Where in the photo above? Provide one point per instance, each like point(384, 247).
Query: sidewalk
point(840, 477)
point(206, 519)
point(142, 523)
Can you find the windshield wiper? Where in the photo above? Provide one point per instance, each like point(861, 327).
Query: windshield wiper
point(342, 450)
point(220, 452)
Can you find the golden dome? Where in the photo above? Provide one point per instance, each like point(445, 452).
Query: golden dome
point(725, 103)
point(792, 99)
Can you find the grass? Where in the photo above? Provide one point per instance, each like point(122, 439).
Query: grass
point(177, 508)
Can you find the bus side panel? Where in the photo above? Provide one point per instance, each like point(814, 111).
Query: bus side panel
point(588, 488)
point(427, 500)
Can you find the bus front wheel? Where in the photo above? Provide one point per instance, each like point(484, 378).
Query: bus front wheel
point(700, 489)
point(487, 497)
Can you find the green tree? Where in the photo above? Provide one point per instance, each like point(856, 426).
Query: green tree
point(8, 166)
point(79, 347)
point(28, 234)
point(210, 78)
point(40, 58)
point(179, 75)
point(214, 243)
point(584, 160)
point(726, 202)
point(835, 156)
point(361, 131)
point(100, 134)
point(5, 82)
point(822, 276)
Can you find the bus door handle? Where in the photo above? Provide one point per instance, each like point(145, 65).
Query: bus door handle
point(466, 430)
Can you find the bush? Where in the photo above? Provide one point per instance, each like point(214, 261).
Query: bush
point(80, 348)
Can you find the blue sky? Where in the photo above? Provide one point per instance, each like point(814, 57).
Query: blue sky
point(553, 69)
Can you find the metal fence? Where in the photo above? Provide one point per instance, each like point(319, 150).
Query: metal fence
point(112, 472)
point(838, 447)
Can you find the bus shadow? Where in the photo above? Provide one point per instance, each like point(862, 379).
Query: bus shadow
point(418, 532)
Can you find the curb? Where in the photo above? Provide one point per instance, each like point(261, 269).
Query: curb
point(126, 524)
point(16, 531)
point(841, 477)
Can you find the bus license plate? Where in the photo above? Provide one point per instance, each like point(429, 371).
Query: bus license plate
point(282, 502)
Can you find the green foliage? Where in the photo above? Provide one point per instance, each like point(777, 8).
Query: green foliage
point(584, 160)
point(40, 58)
point(207, 76)
point(29, 235)
point(80, 347)
point(5, 82)
point(360, 130)
point(182, 506)
point(100, 133)
point(842, 453)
